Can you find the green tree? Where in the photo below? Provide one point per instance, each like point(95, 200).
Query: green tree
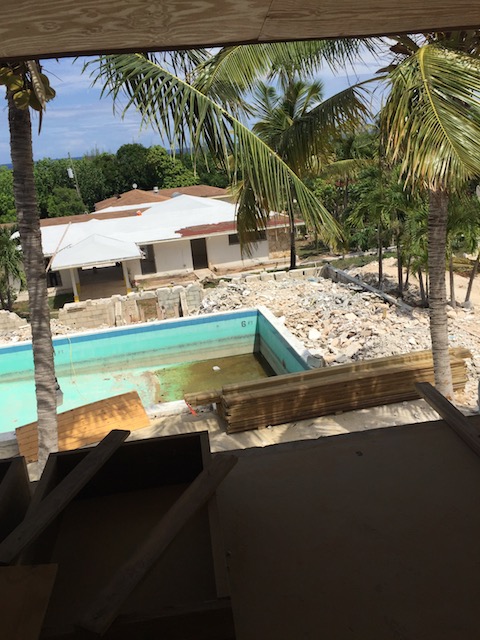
point(189, 118)
point(431, 125)
point(64, 201)
point(7, 200)
point(107, 164)
point(49, 175)
point(132, 166)
point(207, 169)
point(303, 136)
point(11, 268)
point(278, 114)
point(165, 171)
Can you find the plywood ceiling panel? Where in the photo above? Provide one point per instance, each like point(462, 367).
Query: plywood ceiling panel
point(322, 19)
point(44, 28)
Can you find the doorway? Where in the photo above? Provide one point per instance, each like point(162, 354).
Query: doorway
point(199, 253)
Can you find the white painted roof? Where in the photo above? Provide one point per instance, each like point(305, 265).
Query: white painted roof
point(161, 221)
point(95, 249)
point(112, 240)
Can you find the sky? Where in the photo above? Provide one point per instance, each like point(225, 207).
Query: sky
point(78, 120)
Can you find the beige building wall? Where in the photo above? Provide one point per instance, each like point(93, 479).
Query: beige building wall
point(221, 253)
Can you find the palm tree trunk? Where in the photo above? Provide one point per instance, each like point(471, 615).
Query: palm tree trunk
point(472, 278)
point(293, 251)
point(453, 302)
point(399, 267)
point(380, 256)
point(437, 241)
point(422, 288)
point(30, 237)
point(407, 269)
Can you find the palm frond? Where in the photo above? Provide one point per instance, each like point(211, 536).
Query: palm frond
point(431, 119)
point(350, 167)
point(191, 120)
point(233, 71)
point(312, 136)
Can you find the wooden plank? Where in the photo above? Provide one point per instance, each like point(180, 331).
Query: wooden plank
point(24, 595)
point(425, 357)
point(87, 424)
point(261, 408)
point(219, 555)
point(106, 606)
point(53, 504)
point(452, 416)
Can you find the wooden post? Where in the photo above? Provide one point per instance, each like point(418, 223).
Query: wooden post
point(451, 415)
point(126, 277)
point(76, 297)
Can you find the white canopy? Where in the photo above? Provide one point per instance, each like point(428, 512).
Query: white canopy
point(93, 250)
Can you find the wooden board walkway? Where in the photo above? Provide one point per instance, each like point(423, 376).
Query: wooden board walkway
point(87, 424)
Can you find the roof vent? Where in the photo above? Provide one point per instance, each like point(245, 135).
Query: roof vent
point(155, 189)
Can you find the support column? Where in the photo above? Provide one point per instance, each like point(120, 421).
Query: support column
point(126, 278)
point(76, 297)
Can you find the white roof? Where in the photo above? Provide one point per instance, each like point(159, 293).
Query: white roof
point(161, 221)
point(115, 239)
point(95, 250)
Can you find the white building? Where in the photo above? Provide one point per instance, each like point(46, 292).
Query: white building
point(172, 237)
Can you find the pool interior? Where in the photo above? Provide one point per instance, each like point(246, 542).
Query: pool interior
point(161, 362)
point(177, 380)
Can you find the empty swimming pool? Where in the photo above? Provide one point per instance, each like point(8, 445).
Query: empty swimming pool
point(160, 360)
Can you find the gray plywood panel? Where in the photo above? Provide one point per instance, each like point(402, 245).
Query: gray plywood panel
point(368, 535)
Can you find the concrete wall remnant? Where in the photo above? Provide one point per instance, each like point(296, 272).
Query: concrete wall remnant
point(10, 321)
point(166, 302)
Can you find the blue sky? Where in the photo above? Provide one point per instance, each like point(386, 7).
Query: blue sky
point(77, 120)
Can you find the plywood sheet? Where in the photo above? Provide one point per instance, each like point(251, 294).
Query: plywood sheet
point(365, 535)
point(45, 29)
point(88, 424)
point(24, 595)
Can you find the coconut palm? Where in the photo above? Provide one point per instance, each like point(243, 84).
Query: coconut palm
point(28, 88)
point(278, 116)
point(204, 107)
point(11, 268)
point(431, 124)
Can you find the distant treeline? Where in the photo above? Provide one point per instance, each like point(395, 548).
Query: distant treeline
point(97, 176)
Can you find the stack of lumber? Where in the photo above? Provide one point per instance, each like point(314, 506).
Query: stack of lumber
point(329, 390)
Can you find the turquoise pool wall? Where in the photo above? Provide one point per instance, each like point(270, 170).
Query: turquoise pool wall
point(178, 341)
point(279, 352)
point(86, 364)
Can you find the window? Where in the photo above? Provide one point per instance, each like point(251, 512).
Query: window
point(255, 237)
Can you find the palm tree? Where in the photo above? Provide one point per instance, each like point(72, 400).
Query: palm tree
point(10, 267)
point(203, 108)
point(463, 232)
point(431, 124)
point(27, 87)
point(278, 116)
